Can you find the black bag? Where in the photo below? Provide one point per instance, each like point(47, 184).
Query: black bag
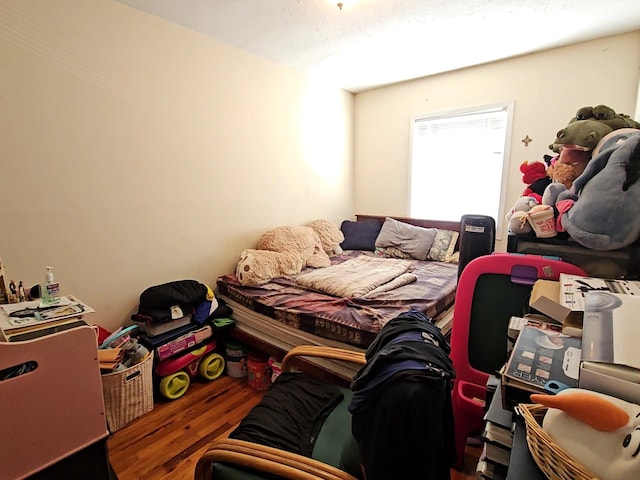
point(158, 303)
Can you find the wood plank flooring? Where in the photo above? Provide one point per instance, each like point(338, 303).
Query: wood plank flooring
point(167, 442)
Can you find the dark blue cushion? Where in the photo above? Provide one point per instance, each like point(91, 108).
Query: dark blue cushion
point(360, 235)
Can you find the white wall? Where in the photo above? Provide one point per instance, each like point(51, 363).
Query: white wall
point(135, 152)
point(547, 87)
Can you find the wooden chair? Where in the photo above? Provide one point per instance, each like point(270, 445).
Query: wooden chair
point(238, 459)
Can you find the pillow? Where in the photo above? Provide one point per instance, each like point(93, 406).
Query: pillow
point(443, 245)
point(453, 258)
point(360, 235)
point(416, 241)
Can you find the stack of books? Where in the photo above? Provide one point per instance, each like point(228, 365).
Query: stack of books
point(497, 438)
point(151, 328)
point(167, 339)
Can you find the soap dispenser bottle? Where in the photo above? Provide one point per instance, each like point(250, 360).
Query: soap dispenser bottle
point(50, 289)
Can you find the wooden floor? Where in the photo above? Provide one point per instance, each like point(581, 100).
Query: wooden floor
point(167, 442)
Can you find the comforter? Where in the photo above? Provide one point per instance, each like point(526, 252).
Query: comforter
point(362, 276)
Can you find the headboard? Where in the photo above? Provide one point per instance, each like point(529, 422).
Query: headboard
point(440, 224)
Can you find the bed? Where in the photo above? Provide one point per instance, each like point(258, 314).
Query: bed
point(282, 313)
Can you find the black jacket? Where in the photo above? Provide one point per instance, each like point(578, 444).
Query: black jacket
point(401, 411)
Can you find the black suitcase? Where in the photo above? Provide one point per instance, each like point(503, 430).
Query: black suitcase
point(477, 238)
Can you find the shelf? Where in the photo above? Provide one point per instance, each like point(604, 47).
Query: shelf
point(622, 263)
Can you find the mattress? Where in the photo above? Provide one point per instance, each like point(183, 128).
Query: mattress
point(353, 321)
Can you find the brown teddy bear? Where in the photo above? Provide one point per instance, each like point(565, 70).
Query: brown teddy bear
point(287, 250)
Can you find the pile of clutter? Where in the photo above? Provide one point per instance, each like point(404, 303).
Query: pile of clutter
point(589, 189)
point(120, 351)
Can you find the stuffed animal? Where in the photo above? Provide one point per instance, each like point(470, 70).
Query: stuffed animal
point(330, 236)
point(287, 250)
point(600, 432)
point(583, 135)
point(602, 208)
point(576, 144)
point(534, 176)
point(518, 217)
point(606, 115)
point(257, 267)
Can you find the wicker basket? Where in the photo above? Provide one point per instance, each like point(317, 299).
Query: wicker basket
point(128, 394)
point(554, 462)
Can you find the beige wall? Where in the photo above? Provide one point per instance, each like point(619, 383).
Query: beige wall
point(135, 152)
point(547, 88)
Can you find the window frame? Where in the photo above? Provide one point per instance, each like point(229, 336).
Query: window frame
point(509, 106)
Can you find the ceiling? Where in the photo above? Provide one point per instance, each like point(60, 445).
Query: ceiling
point(371, 43)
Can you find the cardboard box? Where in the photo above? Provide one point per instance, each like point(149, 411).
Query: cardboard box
point(516, 324)
point(610, 356)
point(615, 380)
point(605, 313)
point(545, 298)
point(541, 356)
point(574, 288)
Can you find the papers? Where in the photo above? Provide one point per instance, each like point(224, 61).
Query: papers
point(29, 314)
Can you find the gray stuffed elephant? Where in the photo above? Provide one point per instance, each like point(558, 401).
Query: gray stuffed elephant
point(602, 209)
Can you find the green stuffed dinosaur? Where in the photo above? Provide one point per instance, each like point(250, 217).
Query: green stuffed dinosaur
point(600, 119)
point(606, 115)
point(575, 143)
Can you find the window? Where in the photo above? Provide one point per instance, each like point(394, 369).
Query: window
point(458, 163)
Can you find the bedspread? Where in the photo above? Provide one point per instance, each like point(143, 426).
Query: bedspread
point(356, 277)
point(353, 320)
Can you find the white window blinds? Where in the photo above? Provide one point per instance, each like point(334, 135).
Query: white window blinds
point(457, 162)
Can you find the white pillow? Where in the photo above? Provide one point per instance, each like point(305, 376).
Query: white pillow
point(416, 241)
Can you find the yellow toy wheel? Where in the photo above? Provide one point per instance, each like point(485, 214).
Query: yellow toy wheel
point(211, 366)
point(175, 385)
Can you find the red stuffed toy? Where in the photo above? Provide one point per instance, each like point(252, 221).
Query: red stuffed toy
point(534, 175)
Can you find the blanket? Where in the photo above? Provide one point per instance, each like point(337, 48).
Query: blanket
point(356, 277)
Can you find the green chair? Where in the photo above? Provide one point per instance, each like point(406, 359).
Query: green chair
point(334, 455)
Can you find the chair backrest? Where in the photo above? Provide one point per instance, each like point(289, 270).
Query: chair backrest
point(491, 289)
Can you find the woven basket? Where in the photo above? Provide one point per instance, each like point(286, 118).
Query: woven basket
point(128, 394)
point(554, 462)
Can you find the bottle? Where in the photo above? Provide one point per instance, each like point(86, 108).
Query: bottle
point(50, 289)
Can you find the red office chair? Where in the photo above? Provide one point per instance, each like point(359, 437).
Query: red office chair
point(491, 289)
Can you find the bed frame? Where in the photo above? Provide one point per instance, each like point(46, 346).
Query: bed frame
point(278, 339)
